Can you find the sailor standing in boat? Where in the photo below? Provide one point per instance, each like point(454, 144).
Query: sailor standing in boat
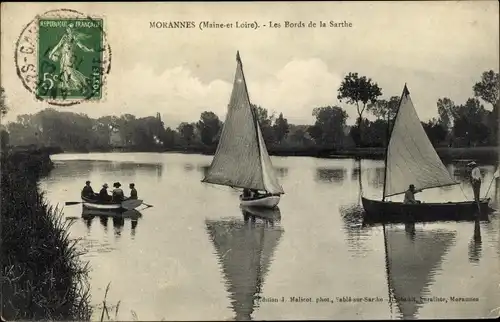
point(118, 194)
point(475, 179)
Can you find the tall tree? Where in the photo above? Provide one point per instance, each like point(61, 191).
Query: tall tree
point(383, 109)
point(186, 131)
point(265, 123)
point(435, 130)
point(445, 108)
point(488, 89)
point(209, 126)
point(281, 128)
point(359, 91)
point(328, 130)
point(469, 123)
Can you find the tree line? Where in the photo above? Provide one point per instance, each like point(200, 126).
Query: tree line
point(458, 125)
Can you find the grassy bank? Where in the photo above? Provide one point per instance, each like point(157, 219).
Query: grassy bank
point(42, 275)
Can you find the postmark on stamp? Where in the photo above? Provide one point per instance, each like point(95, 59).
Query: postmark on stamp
point(62, 57)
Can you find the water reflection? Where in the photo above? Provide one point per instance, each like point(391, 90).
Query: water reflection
point(281, 172)
point(245, 251)
point(412, 259)
point(356, 172)
point(188, 167)
point(376, 177)
point(118, 220)
point(330, 175)
point(356, 232)
point(475, 245)
point(81, 168)
point(204, 170)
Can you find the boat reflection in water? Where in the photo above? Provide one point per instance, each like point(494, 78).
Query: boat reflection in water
point(118, 219)
point(245, 250)
point(412, 258)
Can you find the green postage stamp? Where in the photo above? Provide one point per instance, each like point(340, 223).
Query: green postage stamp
point(63, 58)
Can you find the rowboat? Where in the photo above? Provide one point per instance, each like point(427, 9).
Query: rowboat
point(241, 159)
point(410, 158)
point(125, 205)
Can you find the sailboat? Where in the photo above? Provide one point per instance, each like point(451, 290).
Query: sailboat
point(410, 158)
point(245, 254)
point(412, 260)
point(241, 159)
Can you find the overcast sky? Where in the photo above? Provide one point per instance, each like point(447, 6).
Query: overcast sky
point(439, 49)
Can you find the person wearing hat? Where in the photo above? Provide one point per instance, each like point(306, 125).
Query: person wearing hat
point(103, 194)
point(410, 195)
point(475, 179)
point(87, 191)
point(133, 192)
point(117, 192)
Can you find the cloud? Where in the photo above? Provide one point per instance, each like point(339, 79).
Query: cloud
point(179, 95)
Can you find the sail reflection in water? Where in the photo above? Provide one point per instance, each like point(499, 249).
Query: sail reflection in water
point(245, 251)
point(412, 258)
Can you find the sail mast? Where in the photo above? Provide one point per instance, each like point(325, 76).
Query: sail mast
point(387, 269)
point(389, 131)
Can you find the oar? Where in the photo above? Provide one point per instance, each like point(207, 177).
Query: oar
point(494, 177)
point(70, 203)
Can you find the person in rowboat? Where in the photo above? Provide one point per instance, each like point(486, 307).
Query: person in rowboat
point(103, 194)
point(247, 193)
point(87, 191)
point(118, 194)
point(410, 195)
point(475, 179)
point(133, 192)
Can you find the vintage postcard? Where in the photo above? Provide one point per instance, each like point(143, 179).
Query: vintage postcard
point(223, 161)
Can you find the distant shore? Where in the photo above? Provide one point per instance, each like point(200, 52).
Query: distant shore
point(483, 153)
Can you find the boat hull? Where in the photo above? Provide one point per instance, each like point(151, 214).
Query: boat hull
point(384, 211)
point(264, 202)
point(125, 205)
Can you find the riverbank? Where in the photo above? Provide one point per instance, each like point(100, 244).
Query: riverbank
point(43, 277)
point(481, 154)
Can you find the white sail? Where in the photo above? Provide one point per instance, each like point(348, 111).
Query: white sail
point(245, 255)
point(412, 264)
point(411, 158)
point(241, 159)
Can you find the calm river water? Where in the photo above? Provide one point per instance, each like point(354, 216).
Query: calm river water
point(191, 257)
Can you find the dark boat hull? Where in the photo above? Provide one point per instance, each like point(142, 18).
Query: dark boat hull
point(385, 211)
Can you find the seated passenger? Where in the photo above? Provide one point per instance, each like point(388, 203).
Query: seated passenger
point(87, 191)
point(410, 195)
point(118, 194)
point(103, 194)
